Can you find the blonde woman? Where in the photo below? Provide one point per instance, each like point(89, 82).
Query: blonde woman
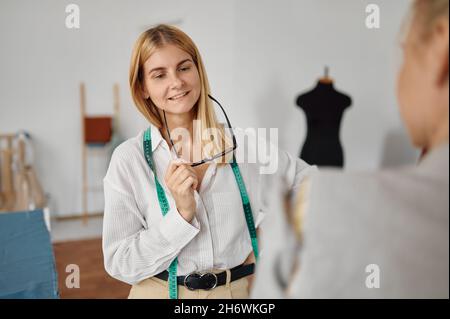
point(181, 211)
point(385, 234)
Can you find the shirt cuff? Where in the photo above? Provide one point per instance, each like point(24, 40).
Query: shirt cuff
point(176, 230)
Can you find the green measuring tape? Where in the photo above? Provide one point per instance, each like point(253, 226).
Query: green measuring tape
point(164, 205)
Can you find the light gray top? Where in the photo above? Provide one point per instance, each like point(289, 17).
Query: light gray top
point(393, 223)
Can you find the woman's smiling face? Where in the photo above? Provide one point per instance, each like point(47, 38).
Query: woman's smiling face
point(171, 80)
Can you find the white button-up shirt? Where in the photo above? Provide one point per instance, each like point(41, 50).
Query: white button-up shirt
point(138, 242)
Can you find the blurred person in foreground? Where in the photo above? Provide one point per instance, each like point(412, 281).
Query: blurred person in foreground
point(377, 234)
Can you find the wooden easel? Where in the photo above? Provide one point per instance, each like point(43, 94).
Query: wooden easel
point(87, 122)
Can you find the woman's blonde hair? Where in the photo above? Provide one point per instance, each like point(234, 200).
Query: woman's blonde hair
point(146, 44)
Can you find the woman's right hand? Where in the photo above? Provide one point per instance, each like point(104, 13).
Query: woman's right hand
point(181, 181)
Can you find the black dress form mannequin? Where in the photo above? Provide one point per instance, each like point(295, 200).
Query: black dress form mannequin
point(323, 107)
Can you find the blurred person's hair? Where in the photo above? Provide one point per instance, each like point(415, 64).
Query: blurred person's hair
point(428, 13)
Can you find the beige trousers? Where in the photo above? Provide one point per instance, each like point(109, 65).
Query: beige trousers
point(155, 288)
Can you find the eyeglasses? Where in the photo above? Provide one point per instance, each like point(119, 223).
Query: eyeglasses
point(209, 159)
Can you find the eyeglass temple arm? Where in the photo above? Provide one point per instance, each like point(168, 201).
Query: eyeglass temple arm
point(226, 117)
point(167, 130)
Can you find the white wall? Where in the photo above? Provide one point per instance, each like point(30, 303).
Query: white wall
point(259, 54)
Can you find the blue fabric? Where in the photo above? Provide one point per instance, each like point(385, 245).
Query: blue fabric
point(27, 265)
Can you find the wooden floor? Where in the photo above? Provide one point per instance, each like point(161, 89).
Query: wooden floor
point(94, 281)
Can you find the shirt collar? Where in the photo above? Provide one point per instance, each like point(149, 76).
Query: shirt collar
point(158, 140)
point(156, 137)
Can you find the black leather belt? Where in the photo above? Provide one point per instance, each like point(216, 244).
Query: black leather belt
point(209, 280)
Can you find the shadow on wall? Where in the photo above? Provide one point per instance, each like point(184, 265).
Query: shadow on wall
point(397, 150)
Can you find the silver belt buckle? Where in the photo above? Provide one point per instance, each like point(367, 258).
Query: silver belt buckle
point(209, 276)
